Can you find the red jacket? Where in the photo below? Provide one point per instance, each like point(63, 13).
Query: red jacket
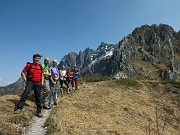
point(34, 73)
point(69, 75)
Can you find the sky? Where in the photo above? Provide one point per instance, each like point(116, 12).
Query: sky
point(53, 28)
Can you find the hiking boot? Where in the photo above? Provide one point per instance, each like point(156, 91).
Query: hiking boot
point(46, 107)
point(17, 111)
point(39, 115)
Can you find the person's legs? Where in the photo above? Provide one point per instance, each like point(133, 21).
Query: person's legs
point(66, 83)
point(73, 84)
point(37, 92)
point(61, 89)
point(24, 96)
point(76, 83)
point(51, 94)
point(45, 94)
point(55, 94)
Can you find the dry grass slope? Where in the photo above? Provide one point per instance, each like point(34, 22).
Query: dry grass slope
point(113, 107)
point(121, 107)
point(12, 124)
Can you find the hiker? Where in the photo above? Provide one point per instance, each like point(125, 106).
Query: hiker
point(75, 77)
point(62, 79)
point(53, 84)
point(69, 78)
point(46, 86)
point(32, 74)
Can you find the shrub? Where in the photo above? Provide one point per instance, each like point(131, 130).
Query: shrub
point(176, 84)
point(95, 79)
point(127, 82)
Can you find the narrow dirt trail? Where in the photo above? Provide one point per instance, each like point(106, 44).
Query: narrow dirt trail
point(37, 127)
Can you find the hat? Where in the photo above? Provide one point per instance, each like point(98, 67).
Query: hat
point(47, 59)
point(75, 65)
point(36, 55)
point(56, 61)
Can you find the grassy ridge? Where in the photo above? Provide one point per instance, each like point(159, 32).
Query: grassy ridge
point(117, 107)
point(103, 106)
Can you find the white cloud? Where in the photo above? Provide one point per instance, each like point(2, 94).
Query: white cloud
point(0, 79)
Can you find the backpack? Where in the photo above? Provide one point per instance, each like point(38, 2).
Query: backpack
point(28, 76)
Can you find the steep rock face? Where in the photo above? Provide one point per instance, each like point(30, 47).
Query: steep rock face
point(68, 60)
point(99, 60)
point(85, 57)
point(158, 45)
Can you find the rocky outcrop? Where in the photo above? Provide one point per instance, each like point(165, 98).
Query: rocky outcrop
point(158, 45)
point(68, 60)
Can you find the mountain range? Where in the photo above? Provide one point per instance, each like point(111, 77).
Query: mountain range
point(149, 52)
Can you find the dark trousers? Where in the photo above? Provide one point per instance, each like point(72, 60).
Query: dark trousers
point(37, 91)
point(65, 82)
point(70, 81)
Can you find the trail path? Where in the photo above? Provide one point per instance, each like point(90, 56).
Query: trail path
point(37, 127)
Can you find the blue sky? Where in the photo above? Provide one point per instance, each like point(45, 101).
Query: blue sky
point(55, 27)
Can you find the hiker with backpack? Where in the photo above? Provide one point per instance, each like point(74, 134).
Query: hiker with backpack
point(46, 86)
point(62, 79)
point(69, 78)
point(32, 74)
point(75, 74)
point(53, 84)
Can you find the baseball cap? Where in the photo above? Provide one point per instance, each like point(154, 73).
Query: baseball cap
point(56, 61)
point(36, 55)
point(47, 59)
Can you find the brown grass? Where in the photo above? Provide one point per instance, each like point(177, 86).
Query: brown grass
point(12, 124)
point(177, 57)
point(100, 109)
point(147, 67)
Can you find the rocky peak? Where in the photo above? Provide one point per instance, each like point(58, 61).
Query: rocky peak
point(155, 44)
point(84, 57)
point(68, 60)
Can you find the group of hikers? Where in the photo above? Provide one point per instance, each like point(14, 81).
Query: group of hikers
point(44, 81)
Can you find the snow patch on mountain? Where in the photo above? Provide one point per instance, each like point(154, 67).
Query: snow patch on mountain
point(108, 54)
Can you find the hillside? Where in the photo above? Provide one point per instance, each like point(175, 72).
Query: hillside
point(111, 107)
point(15, 124)
point(118, 107)
point(13, 89)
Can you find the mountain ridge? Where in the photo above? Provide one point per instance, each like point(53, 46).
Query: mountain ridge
point(149, 52)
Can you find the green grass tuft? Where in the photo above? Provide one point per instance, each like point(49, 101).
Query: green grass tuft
point(175, 84)
point(94, 79)
point(127, 82)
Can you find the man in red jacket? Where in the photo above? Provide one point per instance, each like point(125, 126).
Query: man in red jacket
point(32, 74)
